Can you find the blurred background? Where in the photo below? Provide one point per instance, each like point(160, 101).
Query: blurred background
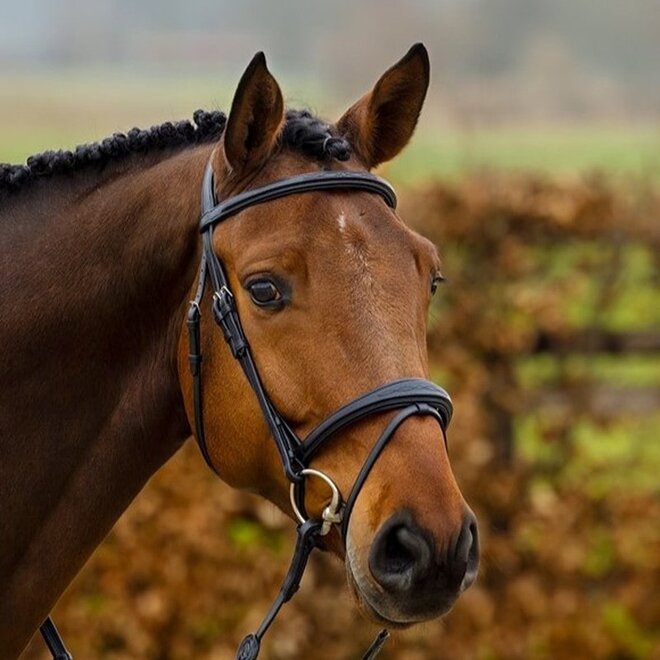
point(536, 170)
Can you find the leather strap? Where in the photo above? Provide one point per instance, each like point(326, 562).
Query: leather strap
point(224, 309)
point(195, 362)
point(226, 316)
point(308, 533)
point(376, 645)
point(383, 440)
point(313, 181)
point(390, 396)
point(54, 641)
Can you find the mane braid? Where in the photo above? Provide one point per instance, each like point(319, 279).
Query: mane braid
point(205, 126)
point(313, 137)
point(302, 131)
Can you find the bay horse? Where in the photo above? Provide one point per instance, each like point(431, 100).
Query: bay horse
point(100, 250)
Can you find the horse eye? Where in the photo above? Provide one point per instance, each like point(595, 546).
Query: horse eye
point(264, 293)
point(435, 281)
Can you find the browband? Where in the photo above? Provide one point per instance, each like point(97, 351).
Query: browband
point(342, 180)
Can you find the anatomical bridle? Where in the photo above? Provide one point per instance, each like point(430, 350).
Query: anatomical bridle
point(409, 396)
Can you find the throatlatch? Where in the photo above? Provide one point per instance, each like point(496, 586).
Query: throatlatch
point(409, 396)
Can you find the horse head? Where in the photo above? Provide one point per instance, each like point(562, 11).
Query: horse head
point(332, 289)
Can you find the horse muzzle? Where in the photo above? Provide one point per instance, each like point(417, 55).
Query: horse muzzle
point(403, 579)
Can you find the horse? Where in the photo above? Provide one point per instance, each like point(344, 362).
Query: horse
point(100, 259)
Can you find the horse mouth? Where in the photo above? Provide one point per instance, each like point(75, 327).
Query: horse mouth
point(368, 609)
point(374, 603)
point(390, 610)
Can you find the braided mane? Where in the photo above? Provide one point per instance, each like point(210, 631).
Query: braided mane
point(205, 126)
point(301, 131)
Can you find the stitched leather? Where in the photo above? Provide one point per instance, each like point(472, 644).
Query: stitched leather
point(313, 181)
point(390, 396)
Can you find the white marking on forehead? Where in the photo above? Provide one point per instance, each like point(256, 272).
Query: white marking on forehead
point(355, 252)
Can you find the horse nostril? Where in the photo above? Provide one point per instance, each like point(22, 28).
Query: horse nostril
point(400, 554)
point(465, 562)
point(422, 575)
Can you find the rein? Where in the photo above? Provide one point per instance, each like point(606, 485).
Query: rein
point(409, 396)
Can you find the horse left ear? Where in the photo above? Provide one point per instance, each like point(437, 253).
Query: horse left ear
point(254, 121)
point(382, 122)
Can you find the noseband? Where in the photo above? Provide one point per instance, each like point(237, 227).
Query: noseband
point(409, 396)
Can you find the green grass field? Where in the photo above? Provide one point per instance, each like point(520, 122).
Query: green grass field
point(567, 150)
point(53, 110)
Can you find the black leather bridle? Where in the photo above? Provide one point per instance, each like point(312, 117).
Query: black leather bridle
point(409, 396)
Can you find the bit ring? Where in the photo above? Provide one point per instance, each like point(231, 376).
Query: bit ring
point(332, 514)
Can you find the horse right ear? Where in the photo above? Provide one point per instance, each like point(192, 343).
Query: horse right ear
point(255, 118)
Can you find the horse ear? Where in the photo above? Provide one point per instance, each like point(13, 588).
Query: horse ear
point(382, 122)
point(255, 117)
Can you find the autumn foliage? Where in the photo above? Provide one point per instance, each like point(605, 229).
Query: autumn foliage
point(549, 291)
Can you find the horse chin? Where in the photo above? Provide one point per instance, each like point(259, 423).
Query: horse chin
point(368, 610)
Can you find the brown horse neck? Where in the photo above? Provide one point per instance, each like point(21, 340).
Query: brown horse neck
point(94, 281)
